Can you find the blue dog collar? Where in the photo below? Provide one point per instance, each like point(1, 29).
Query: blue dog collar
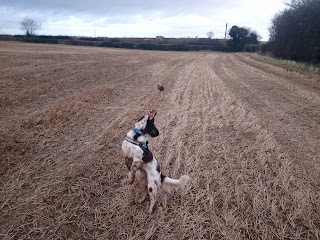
point(138, 131)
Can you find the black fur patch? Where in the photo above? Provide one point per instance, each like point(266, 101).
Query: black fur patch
point(151, 129)
point(162, 177)
point(150, 189)
point(148, 157)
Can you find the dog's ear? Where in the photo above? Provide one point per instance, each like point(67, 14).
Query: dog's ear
point(152, 114)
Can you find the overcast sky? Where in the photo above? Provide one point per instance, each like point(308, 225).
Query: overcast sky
point(137, 18)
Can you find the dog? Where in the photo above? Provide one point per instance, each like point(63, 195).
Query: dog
point(143, 166)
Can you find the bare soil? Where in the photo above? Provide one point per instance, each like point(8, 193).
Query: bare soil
point(247, 133)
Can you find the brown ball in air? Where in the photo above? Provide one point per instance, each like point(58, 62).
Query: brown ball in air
point(160, 87)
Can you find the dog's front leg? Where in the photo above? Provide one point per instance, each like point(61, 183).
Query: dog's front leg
point(136, 164)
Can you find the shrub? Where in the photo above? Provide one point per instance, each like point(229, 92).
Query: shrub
point(250, 47)
point(117, 45)
point(40, 40)
point(53, 37)
point(165, 47)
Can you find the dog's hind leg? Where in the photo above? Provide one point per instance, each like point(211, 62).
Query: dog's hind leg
point(142, 183)
point(153, 201)
point(152, 189)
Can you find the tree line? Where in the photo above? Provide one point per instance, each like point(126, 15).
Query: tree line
point(240, 36)
point(295, 32)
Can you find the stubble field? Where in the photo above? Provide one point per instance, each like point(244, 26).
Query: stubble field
point(246, 132)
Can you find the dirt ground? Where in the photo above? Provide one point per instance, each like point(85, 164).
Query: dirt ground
point(246, 132)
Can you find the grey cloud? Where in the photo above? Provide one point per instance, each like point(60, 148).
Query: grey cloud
point(172, 16)
point(111, 8)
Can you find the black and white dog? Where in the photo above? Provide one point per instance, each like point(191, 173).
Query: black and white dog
point(142, 164)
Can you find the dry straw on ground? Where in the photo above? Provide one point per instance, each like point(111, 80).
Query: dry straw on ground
point(245, 131)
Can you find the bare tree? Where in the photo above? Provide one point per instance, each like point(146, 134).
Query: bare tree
point(30, 26)
point(210, 34)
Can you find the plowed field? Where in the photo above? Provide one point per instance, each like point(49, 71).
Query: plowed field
point(247, 133)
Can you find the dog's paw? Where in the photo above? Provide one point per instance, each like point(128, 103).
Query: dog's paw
point(130, 178)
point(150, 210)
point(138, 165)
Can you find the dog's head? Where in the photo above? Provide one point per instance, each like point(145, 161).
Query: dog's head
point(150, 128)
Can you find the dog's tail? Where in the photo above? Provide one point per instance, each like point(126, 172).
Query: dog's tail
point(169, 184)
